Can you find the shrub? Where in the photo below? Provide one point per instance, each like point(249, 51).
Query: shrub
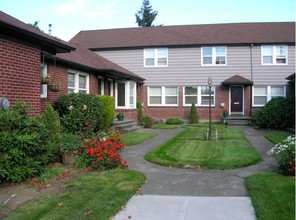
point(278, 113)
point(24, 148)
point(51, 121)
point(193, 116)
point(140, 111)
point(71, 143)
point(108, 111)
point(284, 155)
point(102, 154)
point(174, 121)
point(147, 122)
point(80, 113)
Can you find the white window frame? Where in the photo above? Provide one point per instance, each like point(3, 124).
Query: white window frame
point(274, 54)
point(156, 57)
point(163, 96)
point(76, 81)
point(214, 56)
point(199, 96)
point(43, 87)
point(268, 93)
point(128, 94)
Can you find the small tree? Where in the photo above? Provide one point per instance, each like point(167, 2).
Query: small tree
point(146, 15)
point(193, 116)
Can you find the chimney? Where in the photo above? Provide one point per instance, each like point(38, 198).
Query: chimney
point(49, 29)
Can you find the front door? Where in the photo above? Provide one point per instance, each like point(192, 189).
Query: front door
point(236, 99)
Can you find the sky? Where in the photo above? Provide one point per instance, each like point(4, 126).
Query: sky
point(69, 17)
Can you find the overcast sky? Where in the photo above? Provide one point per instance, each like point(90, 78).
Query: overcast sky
point(68, 17)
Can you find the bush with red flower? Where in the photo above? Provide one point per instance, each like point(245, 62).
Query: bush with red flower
point(102, 153)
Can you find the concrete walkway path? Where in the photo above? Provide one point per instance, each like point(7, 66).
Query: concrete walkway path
point(174, 193)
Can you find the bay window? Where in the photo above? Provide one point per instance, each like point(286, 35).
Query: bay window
point(125, 94)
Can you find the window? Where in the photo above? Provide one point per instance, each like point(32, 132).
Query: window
point(199, 95)
point(274, 55)
point(163, 96)
point(43, 87)
point(213, 55)
point(125, 94)
point(156, 57)
point(78, 82)
point(263, 94)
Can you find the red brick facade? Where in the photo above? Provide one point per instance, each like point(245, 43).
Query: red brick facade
point(20, 73)
point(180, 111)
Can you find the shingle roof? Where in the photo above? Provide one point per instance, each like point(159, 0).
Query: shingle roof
point(237, 80)
point(188, 35)
point(87, 59)
point(13, 27)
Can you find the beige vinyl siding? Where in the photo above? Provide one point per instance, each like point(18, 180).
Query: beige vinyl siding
point(184, 66)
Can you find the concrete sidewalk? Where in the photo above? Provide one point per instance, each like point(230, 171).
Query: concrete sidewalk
point(173, 193)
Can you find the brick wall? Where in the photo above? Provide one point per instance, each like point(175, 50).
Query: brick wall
point(20, 73)
point(180, 111)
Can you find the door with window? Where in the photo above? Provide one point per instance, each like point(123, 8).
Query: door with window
point(236, 93)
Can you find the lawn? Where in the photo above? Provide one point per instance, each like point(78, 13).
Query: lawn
point(134, 138)
point(276, 138)
point(273, 196)
point(99, 195)
point(190, 149)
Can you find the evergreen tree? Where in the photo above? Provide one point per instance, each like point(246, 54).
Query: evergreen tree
point(193, 115)
point(146, 15)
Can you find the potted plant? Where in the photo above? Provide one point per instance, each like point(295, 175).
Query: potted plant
point(71, 146)
point(54, 87)
point(45, 80)
point(225, 114)
point(120, 116)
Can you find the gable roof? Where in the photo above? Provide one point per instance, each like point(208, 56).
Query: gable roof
point(90, 61)
point(188, 35)
point(237, 80)
point(15, 28)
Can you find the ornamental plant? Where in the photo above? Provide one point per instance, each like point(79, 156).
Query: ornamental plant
point(284, 155)
point(102, 153)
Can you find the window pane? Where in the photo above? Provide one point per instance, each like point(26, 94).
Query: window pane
point(149, 53)
point(260, 100)
point(190, 90)
point(70, 91)
point(207, 51)
point(205, 100)
point(170, 100)
point(191, 99)
point(163, 52)
point(267, 59)
point(162, 61)
point(277, 91)
point(267, 50)
point(205, 90)
point(281, 50)
point(171, 91)
point(132, 87)
point(71, 80)
point(149, 61)
point(155, 100)
point(82, 82)
point(220, 51)
point(220, 60)
point(280, 60)
point(260, 90)
point(207, 60)
point(155, 91)
point(121, 94)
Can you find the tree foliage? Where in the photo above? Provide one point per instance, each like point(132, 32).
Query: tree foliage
point(146, 15)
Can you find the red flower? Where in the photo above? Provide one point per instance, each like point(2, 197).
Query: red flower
point(125, 163)
point(86, 124)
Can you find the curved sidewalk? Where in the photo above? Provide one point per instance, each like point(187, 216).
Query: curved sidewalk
point(192, 193)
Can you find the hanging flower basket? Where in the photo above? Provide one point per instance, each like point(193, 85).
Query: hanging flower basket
point(45, 80)
point(55, 87)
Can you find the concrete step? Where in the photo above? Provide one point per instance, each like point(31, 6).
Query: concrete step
point(242, 120)
point(124, 126)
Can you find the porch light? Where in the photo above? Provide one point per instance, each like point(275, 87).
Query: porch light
point(210, 82)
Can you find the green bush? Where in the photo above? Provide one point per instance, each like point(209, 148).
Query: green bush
point(24, 148)
point(51, 121)
point(108, 111)
point(278, 113)
point(140, 111)
point(174, 121)
point(71, 143)
point(193, 116)
point(147, 122)
point(80, 113)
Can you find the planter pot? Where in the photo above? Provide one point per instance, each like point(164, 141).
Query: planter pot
point(225, 114)
point(120, 117)
point(54, 88)
point(69, 158)
point(44, 80)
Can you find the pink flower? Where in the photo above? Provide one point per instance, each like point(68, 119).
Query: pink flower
point(84, 107)
point(86, 124)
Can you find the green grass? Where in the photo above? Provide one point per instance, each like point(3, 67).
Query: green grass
point(134, 138)
point(100, 195)
point(51, 173)
point(190, 149)
point(165, 126)
point(273, 196)
point(276, 138)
